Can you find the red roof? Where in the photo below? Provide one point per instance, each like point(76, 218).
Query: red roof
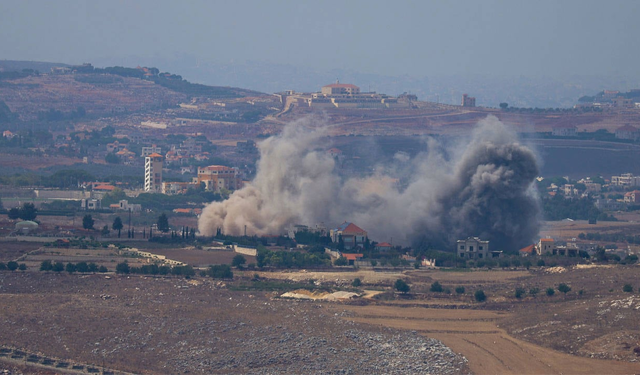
point(529, 249)
point(155, 155)
point(353, 229)
point(104, 187)
point(384, 244)
point(352, 256)
point(546, 240)
point(342, 85)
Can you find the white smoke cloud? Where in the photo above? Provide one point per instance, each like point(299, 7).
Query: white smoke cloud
point(479, 187)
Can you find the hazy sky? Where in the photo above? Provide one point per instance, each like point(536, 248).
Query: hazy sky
point(418, 38)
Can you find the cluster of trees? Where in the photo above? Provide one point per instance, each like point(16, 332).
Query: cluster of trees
point(28, 211)
point(154, 269)
point(82, 267)
point(222, 271)
point(291, 259)
point(12, 266)
point(306, 237)
point(559, 208)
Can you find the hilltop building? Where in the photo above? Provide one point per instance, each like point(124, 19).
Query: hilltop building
point(216, 177)
point(352, 235)
point(468, 101)
point(153, 173)
point(346, 95)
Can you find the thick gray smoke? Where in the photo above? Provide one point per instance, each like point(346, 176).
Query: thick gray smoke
point(479, 187)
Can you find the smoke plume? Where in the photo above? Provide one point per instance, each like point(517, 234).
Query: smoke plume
point(481, 186)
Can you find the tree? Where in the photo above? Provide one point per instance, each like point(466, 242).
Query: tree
point(58, 267)
point(222, 271)
point(564, 288)
point(550, 292)
point(356, 282)
point(534, 291)
point(28, 211)
point(480, 296)
point(117, 225)
point(87, 222)
point(82, 267)
point(163, 223)
point(436, 287)
point(12, 265)
point(14, 213)
point(71, 268)
point(520, 292)
point(102, 269)
point(627, 288)
point(504, 105)
point(401, 286)
point(105, 231)
point(3, 266)
point(123, 268)
point(46, 265)
point(342, 261)
point(460, 289)
point(238, 261)
point(112, 158)
point(22, 267)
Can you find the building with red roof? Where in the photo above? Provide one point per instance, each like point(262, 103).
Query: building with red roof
point(383, 246)
point(351, 235)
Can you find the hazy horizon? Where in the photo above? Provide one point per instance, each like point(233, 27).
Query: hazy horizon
point(544, 38)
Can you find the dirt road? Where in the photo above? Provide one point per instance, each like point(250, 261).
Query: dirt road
point(490, 350)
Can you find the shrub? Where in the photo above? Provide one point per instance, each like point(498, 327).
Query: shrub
point(238, 261)
point(222, 271)
point(71, 268)
point(436, 287)
point(520, 292)
point(402, 286)
point(123, 268)
point(58, 267)
point(103, 269)
point(374, 263)
point(627, 288)
point(22, 267)
point(540, 263)
point(550, 292)
point(3, 266)
point(356, 282)
point(342, 261)
point(564, 288)
point(460, 290)
point(534, 291)
point(46, 265)
point(480, 296)
point(12, 265)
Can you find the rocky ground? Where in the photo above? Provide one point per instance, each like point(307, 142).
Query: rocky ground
point(169, 325)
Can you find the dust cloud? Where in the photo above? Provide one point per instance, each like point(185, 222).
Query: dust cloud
point(481, 186)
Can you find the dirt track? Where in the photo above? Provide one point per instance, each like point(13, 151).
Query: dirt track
point(490, 350)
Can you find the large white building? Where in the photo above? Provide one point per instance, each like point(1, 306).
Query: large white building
point(473, 248)
point(625, 179)
point(153, 173)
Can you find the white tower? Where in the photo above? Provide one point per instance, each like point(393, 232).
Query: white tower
point(153, 173)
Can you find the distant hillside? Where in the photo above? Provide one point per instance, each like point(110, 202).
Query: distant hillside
point(17, 66)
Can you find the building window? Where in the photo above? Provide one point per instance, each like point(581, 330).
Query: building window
point(470, 248)
point(479, 247)
point(461, 247)
point(479, 255)
point(461, 255)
